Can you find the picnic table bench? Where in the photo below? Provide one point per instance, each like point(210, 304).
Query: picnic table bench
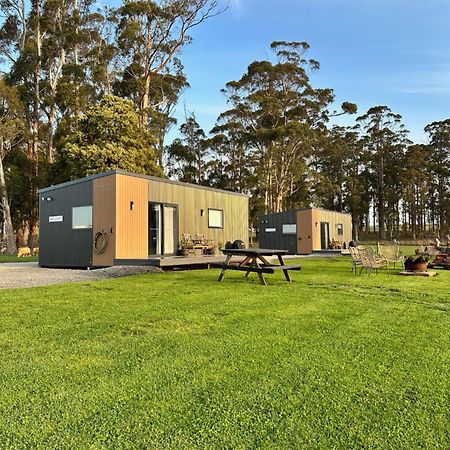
point(255, 261)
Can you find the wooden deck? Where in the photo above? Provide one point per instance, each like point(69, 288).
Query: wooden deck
point(176, 262)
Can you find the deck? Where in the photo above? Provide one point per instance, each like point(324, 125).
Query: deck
point(176, 262)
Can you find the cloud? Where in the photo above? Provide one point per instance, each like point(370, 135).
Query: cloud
point(237, 7)
point(432, 81)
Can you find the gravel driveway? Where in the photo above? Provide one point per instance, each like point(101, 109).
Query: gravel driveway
point(23, 275)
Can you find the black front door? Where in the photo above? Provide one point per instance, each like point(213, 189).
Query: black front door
point(324, 235)
point(163, 229)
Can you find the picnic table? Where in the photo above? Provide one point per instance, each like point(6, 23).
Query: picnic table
point(255, 261)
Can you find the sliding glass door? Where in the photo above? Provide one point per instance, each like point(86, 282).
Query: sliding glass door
point(163, 229)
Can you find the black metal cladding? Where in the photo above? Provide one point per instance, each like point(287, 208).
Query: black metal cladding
point(59, 244)
point(276, 239)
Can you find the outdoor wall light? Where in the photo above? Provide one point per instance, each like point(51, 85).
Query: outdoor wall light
point(131, 205)
point(48, 199)
point(202, 212)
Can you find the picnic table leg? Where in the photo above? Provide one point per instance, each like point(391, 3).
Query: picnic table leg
point(246, 262)
point(264, 260)
point(259, 272)
point(224, 268)
point(286, 273)
point(253, 264)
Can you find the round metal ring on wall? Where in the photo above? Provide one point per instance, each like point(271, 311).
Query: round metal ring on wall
point(100, 242)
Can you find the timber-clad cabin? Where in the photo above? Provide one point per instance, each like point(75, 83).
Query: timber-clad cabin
point(304, 231)
point(140, 216)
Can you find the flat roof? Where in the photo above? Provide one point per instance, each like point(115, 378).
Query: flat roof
point(137, 175)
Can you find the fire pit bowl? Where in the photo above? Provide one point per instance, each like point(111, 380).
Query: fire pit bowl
point(417, 263)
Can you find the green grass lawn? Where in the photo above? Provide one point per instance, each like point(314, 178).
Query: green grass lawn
point(15, 259)
point(177, 360)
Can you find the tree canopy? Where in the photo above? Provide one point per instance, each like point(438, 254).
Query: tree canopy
point(108, 136)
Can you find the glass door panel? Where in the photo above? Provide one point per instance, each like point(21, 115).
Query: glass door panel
point(155, 229)
point(169, 229)
point(324, 235)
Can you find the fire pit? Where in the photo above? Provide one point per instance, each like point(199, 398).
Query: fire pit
point(418, 265)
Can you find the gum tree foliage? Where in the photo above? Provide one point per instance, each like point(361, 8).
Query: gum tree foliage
point(107, 136)
point(11, 134)
point(281, 115)
point(188, 155)
point(232, 166)
point(439, 136)
point(341, 176)
point(385, 140)
point(150, 35)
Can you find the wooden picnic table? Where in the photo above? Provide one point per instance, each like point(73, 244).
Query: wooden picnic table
point(255, 261)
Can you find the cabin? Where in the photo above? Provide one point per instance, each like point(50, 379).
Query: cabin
point(117, 218)
point(304, 231)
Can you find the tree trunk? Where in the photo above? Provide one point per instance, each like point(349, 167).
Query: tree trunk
point(147, 75)
point(355, 226)
point(51, 124)
point(11, 247)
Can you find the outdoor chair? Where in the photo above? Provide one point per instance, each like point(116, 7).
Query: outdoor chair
point(356, 260)
point(371, 262)
point(390, 252)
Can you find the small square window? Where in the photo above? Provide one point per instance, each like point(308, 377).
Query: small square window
point(340, 229)
point(289, 228)
point(215, 218)
point(81, 217)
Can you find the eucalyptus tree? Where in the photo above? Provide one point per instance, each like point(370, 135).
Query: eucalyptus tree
point(282, 117)
point(416, 187)
point(13, 31)
point(384, 138)
point(150, 35)
point(439, 136)
point(188, 156)
point(165, 90)
point(234, 159)
point(11, 134)
point(341, 180)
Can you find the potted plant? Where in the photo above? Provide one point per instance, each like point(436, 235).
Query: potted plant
point(417, 263)
point(183, 249)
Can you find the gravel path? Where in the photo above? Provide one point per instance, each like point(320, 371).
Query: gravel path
point(24, 275)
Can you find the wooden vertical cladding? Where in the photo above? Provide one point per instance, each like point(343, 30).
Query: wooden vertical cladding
point(333, 218)
point(193, 204)
point(104, 218)
point(131, 204)
point(316, 218)
point(305, 234)
point(312, 219)
point(308, 228)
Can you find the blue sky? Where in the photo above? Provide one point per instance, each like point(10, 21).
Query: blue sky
point(372, 52)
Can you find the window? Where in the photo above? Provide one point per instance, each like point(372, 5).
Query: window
point(271, 230)
point(340, 229)
point(81, 217)
point(289, 228)
point(215, 218)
